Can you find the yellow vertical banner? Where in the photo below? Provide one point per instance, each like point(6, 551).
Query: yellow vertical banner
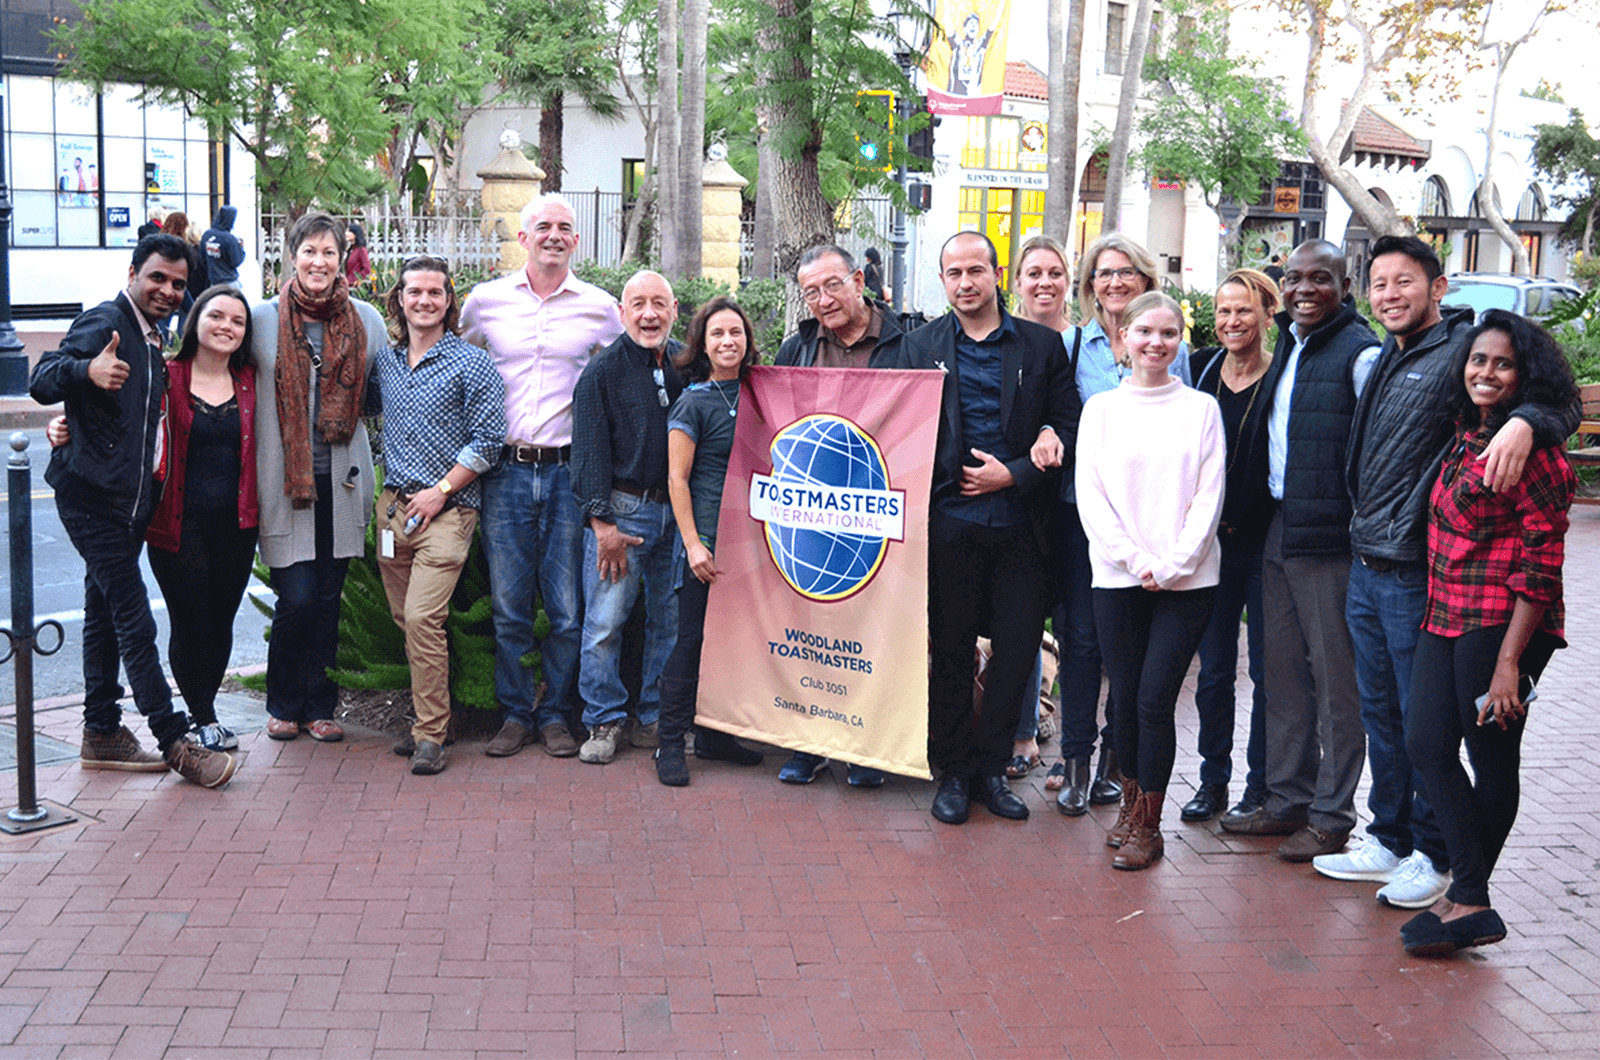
point(966, 61)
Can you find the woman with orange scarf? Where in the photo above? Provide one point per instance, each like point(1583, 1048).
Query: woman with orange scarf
point(314, 347)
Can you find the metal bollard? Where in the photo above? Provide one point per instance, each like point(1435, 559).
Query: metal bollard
point(29, 815)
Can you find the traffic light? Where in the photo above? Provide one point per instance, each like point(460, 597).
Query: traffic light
point(919, 142)
point(875, 129)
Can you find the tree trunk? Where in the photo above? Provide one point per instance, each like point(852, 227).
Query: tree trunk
point(784, 109)
point(1058, 196)
point(1503, 54)
point(667, 182)
point(765, 224)
point(1588, 224)
point(552, 122)
point(691, 146)
point(1122, 135)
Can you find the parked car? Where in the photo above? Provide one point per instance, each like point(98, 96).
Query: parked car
point(1531, 296)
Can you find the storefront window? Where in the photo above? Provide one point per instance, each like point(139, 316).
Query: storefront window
point(87, 170)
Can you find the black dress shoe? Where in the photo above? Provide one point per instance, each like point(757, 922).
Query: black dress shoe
point(1252, 800)
point(1073, 798)
point(996, 794)
point(717, 746)
point(950, 805)
point(1106, 789)
point(1208, 801)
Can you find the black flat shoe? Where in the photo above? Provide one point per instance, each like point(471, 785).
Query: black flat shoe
point(1208, 801)
point(671, 769)
point(1425, 935)
point(950, 805)
point(994, 793)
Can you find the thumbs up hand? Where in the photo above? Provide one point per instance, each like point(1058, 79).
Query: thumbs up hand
point(106, 371)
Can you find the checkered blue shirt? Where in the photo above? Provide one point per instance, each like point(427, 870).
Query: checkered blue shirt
point(449, 410)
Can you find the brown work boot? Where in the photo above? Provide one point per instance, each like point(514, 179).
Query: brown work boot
point(118, 750)
point(1144, 845)
point(209, 769)
point(558, 740)
point(511, 738)
point(1130, 795)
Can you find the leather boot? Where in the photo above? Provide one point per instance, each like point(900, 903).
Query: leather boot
point(1073, 798)
point(1144, 845)
point(1129, 787)
point(1106, 789)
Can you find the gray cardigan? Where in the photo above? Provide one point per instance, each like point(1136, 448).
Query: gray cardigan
point(288, 534)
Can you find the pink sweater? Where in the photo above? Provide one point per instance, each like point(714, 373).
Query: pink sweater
point(1150, 469)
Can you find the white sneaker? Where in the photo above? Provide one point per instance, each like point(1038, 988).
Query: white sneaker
point(1415, 884)
point(1370, 861)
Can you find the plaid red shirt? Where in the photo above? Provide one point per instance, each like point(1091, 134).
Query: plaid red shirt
point(1486, 549)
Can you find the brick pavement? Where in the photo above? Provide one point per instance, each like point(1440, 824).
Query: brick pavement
point(328, 903)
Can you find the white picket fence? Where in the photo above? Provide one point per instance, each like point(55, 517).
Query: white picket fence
point(453, 231)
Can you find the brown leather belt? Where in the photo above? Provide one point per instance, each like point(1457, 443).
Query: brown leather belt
point(1379, 564)
point(536, 454)
point(659, 496)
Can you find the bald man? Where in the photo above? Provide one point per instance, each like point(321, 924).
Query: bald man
point(619, 474)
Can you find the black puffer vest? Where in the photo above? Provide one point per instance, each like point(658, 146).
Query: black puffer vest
point(1316, 504)
point(1402, 426)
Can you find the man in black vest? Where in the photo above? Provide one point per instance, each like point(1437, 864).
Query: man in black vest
point(1008, 395)
point(1315, 743)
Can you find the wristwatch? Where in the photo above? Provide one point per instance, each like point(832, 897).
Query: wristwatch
point(444, 486)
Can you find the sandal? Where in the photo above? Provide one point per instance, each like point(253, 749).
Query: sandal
point(325, 730)
point(1021, 766)
point(1056, 779)
point(280, 729)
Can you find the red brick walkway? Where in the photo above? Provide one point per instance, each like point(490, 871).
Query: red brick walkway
point(328, 903)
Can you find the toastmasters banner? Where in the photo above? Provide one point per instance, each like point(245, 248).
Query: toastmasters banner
point(816, 634)
point(966, 63)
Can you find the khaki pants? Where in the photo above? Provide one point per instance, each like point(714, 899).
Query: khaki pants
point(419, 581)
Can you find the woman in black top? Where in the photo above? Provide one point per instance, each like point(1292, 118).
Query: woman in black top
point(700, 427)
point(872, 274)
point(1234, 374)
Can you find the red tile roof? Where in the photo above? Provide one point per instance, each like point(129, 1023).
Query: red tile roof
point(1378, 135)
point(1026, 81)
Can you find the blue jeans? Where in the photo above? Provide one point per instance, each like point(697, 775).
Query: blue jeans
point(117, 625)
point(1384, 613)
point(1080, 645)
point(305, 626)
point(652, 567)
point(534, 548)
point(1028, 724)
point(1238, 591)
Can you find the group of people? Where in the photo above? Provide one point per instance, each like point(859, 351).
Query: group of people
point(1386, 516)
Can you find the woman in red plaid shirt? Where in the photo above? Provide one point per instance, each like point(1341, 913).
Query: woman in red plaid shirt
point(1494, 617)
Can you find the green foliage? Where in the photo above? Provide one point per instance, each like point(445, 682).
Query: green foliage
point(1576, 324)
point(314, 90)
point(1200, 309)
point(1569, 156)
point(550, 48)
point(1215, 123)
point(840, 46)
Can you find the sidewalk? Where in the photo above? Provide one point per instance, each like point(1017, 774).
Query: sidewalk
point(328, 903)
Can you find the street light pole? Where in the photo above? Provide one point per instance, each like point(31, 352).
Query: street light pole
point(902, 114)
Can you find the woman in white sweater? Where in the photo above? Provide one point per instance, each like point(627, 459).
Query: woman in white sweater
point(1150, 466)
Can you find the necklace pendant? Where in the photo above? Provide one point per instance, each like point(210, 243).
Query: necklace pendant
point(733, 412)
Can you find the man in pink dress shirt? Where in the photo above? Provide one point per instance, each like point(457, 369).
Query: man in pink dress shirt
point(541, 325)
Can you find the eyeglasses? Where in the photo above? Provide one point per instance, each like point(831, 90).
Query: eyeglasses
point(1107, 275)
point(813, 295)
point(660, 376)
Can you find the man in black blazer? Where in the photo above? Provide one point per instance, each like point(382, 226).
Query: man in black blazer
point(109, 373)
point(1009, 412)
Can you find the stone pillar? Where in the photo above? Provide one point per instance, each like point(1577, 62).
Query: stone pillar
point(510, 181)
point(719, 235)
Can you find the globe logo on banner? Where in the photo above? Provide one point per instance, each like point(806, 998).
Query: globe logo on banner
point(828, 508)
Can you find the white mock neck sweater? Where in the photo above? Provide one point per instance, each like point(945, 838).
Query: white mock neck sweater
point(1150, 468)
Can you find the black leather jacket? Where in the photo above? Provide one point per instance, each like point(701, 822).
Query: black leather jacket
point(110, 461)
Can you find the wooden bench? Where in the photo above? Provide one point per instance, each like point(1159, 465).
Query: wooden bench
point(1587, 451)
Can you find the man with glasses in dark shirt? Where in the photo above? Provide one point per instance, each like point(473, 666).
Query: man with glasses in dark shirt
point(619, 474)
